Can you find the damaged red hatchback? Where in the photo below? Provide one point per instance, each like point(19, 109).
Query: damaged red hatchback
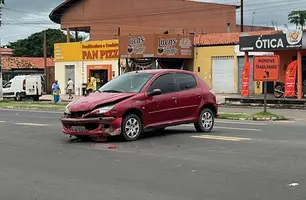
point(139, 101)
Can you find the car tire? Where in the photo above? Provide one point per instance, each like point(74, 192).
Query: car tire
point(18, 97)
point(131, 127)
point(205, 121)
point(36, 98)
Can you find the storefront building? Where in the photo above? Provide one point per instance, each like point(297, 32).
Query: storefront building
point(219, 62)
point(289, 46)
point(82, 60)
point(153, 51)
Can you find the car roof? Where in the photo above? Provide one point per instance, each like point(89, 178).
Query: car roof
point(160, 71)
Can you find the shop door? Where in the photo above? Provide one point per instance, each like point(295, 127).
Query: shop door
point(100, 75)
point(240, 71)
point(70, 73)
point(223, 74)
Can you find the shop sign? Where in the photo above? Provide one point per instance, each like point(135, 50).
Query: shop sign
point(100, 51)
point(158, 46)
point(178, 46)
point(290, 40)
point(136, 45)
point(266, 68)
point(84, 51)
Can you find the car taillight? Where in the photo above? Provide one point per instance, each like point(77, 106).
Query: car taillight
point(24, 84)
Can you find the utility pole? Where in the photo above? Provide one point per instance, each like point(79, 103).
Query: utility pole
point(1, 79)
point(45, 60)
point(241, 15)
point(119, 65)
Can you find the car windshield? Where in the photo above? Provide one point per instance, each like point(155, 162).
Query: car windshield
point(127, 83)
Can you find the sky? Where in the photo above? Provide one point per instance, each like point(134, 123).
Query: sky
point(21, 18)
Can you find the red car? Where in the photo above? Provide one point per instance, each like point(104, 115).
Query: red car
point(143, 100)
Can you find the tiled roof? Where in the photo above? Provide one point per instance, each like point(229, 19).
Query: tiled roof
point(215, 39)
point(25, 62)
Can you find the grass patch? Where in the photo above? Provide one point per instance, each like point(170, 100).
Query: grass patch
point(233, 116)
point(267, 115)
point(32, 105)
point(261, 116)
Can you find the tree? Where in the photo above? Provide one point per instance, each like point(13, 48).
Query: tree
point(32, 46)
point(298, 18)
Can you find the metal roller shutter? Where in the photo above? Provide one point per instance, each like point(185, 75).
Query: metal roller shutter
point(223, 80)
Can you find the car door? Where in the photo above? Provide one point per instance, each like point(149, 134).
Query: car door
point(190, 95)
point(161, 109)
point(7, 90)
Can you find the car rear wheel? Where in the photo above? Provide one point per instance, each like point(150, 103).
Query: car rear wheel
point(205, 122)
point(18, 97)
point(131, 127)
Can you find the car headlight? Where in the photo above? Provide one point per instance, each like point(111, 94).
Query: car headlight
point(103, 109)
point(67, 111)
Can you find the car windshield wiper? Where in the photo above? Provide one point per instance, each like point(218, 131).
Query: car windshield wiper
point(112, 91)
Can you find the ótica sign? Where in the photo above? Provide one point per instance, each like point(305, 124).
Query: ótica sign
point(266, 68)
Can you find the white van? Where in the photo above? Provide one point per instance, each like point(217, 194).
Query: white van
point(22, 87)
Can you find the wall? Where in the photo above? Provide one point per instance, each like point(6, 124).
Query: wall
point(147, 16)
point(203, 60)
point(80, 72)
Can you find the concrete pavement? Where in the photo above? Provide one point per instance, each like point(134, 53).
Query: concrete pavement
point(238, 160)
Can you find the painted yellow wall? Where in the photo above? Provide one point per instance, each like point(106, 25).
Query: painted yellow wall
point(203, 59)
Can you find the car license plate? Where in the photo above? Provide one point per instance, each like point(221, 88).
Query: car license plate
point(78, 129)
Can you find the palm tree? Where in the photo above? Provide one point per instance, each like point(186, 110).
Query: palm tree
point(298, 18)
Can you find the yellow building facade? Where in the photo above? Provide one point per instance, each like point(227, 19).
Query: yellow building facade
point(221, 68)
point(82, 60)
point(209, 60)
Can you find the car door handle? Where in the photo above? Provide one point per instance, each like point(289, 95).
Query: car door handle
point(199, 95)
point(174, 99)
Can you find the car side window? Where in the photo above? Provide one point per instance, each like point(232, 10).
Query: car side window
point(165, 83)
point(185, 81)
point(8, 85)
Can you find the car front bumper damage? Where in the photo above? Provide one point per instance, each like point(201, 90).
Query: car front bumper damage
point(100, 126)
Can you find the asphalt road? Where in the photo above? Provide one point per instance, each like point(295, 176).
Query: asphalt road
point(237, 161)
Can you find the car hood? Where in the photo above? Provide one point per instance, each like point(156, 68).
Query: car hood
point(88, 103)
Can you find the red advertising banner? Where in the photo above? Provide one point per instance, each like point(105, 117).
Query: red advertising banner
point(290, 79)
point(246, 79)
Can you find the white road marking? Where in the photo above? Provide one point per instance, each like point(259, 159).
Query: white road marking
point(2, 121)
point(240, 122)
point(31, 124)
point(226, 138)
point(293, 184)
point(32, 111)
point(241, 129)
point(229, 128)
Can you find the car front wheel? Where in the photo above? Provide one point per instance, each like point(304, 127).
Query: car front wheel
point(205, 122)
point(131, 127)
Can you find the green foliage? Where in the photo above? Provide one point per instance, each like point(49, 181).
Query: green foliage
point(298, 18)
point(32, 46)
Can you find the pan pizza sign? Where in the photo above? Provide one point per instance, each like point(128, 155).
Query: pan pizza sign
point(290, 40)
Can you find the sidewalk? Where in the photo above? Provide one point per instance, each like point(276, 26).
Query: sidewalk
point(296, 114)
point(64, 98)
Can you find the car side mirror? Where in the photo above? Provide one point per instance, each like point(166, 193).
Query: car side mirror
point(155, 92)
